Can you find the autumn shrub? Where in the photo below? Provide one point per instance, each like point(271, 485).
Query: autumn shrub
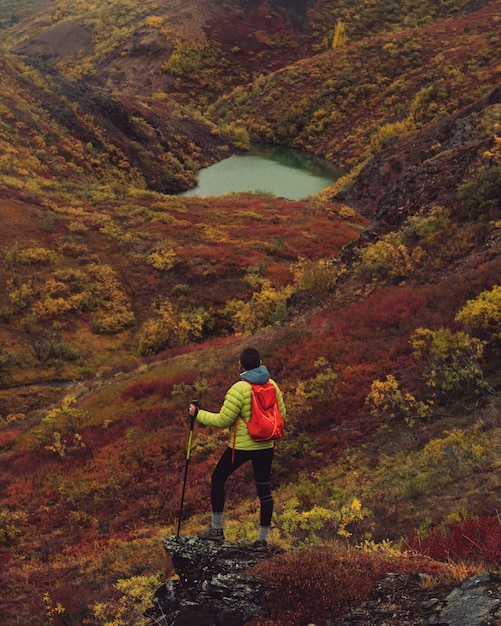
point(467, 538)
point(455, 454)
point(310, 400)
point(483, 315)
point(429, 227)
point(481, 196)
point(58, 420)
point(185, 59)
point(316, 585)
point(426, 240)
point(450, 365)
point(153, 337)
point(170, 328)
point(63, 447)
point(162, 259)
point(20, 295)
point(387, 400)
point(50, 351)
point(323, 386)
point(389, 260)
point(240, 136)
point(115, 312)
point(387, 131)
point(450, 361)
point(154, 21)
point(140, 389)
point(12, 525)
point(267, 308)
point(129, 607)
point(313, 523)
point(315, 278)
point(30, 256)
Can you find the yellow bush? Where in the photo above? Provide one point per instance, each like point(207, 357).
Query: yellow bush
point(266, 308)
point(162, 260)
point(390, 259)
point(495, 152)
point(22, 295)
point(483, 313)
point(386, 399)
point(12, 525)
point(130, 607)
point(323, 387)
point(115, 310)
point(51, 307)
point(35, 256)
point(169, 328)
point(316, 278)
point(455, 454)
point(62, 447)
point(319, 522)
point(451, 361)
point(154, 21)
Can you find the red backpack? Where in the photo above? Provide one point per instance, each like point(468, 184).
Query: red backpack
point(266, 422)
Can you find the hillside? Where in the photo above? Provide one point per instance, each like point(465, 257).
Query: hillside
point(93, 137)
point(376, 304)
point(199, 50)
point(348, 101)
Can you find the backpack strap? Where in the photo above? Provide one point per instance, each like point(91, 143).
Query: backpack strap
point(235, 423)
point(234, 439)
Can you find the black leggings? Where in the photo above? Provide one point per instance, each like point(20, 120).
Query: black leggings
point(261, 465)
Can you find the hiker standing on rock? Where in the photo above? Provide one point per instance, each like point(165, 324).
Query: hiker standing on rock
point(235, 414)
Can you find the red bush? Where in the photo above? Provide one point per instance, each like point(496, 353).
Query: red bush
point(318, 584)
point(139, 390)
point(162, 388)
point(8, 437)
point(470, 539)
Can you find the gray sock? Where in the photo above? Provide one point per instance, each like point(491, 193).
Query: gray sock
point(263, 533)
point(217, 520)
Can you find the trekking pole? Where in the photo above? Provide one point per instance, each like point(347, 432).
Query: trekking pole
point(188, 451)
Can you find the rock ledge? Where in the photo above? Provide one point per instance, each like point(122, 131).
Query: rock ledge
point(212, 586)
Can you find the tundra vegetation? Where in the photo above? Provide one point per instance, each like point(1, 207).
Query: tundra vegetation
point(376, 304)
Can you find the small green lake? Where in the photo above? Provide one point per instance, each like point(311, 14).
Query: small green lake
point(278, 171)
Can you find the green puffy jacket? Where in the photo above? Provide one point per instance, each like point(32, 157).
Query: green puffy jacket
point(237, 403)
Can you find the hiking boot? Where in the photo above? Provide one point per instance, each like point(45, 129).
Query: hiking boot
point(260, 545)
point(214, 534)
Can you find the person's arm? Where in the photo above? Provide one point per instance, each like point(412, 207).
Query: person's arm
point(231, 409)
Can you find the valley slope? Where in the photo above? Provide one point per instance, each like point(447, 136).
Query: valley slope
point(376, 304)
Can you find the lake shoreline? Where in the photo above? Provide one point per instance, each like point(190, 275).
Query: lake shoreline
point(273, 170)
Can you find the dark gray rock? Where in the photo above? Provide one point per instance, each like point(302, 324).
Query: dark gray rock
point(214, 587)
point(476, 602)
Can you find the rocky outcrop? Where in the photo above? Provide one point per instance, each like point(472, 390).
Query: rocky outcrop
point(212, 585)
point(400, 600)
point(422, 168)
point(476, 602)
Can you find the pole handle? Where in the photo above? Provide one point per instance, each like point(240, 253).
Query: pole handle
point(194, 416)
